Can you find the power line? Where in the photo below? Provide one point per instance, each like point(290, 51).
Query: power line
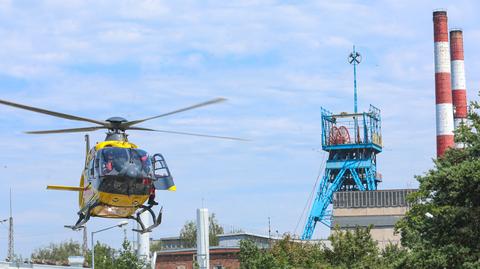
point(310, 197)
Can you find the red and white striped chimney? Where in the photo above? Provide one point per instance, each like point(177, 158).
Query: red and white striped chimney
point(459, 88)
point(443, 90)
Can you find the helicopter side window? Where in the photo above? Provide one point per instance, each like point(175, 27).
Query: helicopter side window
point(90, 168)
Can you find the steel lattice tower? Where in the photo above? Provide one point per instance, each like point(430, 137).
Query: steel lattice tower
point(10, 233)
point(352, 141)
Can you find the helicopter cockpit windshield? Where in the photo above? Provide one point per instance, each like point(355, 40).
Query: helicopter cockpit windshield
point(132, 163)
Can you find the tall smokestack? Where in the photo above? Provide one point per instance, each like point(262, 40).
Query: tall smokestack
point(459, 88)
point(443, 90)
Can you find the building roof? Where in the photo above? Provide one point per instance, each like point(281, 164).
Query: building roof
point(189, 251)
point(220, 236)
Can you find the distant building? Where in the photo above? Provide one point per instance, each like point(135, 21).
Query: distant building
point(220, 258)
point(224, 240)
point(381, 209)
point(73, 262)
point(175, 255)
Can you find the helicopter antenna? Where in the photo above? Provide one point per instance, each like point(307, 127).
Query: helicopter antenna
point(10, 232)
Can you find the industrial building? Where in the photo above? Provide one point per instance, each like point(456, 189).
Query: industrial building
point(175, 253)
point(73, 262)
point(224, 240)
point(220, 258)
point(379, 209)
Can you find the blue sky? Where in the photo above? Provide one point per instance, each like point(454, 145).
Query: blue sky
point(277, 62)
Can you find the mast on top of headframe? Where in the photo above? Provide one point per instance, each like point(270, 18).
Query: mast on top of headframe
point(354, 58)
point(352, 141)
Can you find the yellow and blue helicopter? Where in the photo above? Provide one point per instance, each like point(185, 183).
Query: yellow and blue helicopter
point(119, 179)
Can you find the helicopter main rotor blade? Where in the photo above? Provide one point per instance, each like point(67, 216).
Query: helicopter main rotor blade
point(210, 102)
point(72, 130)
point(191, 134)
point(51, 113)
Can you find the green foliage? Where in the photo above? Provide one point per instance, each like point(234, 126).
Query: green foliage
point(109, 258)
point(57, 252)
point(251, 257)
point(353, 249)
point(285, 253)
point(188, 234)
point(104, 256)
point(349, 249)
point(214, 230)
point(156, 246)
point(127, 259)
point(442, 227)
point(299, 255)
point(394, 256)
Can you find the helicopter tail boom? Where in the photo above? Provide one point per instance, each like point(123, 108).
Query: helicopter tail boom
point(64, 188)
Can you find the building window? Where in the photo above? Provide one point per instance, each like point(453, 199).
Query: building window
point(180, 267)
point(218, 267)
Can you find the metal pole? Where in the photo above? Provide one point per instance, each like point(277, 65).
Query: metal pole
point(93, 252)
point(10, 233)
point(122, 223)
point(355, 81)
point(355, 58)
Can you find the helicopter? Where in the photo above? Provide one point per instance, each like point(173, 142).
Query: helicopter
point(118, 177)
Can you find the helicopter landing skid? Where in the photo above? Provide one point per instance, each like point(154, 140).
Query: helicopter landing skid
point(82, 219)
point(156, 220)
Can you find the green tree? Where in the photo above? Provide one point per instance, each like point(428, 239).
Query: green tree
point(104, 256)
point(214, 230)
point(353, 249)
point(156, 246)
point(442, 227)
point(57, 253)
point(108, 258)
point(394, 256)
point(349, 249)
point(291, 253)
point(127, 259)
point(188, 233)
point(251, 257)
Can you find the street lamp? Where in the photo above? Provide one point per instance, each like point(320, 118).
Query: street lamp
point(120, 224)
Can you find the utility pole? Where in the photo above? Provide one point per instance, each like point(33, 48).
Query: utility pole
point(269, 230)
point(10, 233)
point(85, 241)
point(269, 234)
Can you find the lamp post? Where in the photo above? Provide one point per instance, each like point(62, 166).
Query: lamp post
point(120, 224)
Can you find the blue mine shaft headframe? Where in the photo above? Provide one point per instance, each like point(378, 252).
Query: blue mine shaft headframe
point(352, 142)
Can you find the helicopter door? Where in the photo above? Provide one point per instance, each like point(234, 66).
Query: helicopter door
point(163, 179)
